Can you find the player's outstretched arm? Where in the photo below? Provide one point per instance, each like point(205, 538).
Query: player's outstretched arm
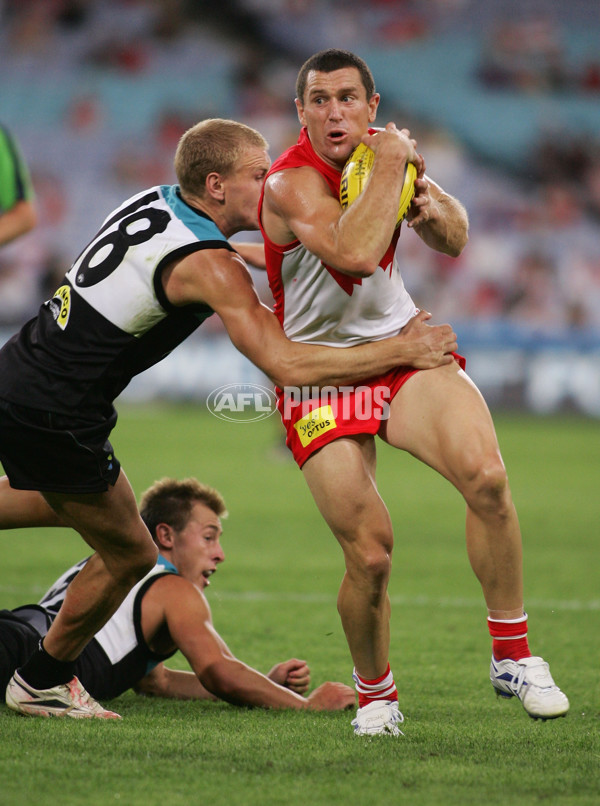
point(220, 279)
point(253, 253)
point(190, 625)
point(172, 684)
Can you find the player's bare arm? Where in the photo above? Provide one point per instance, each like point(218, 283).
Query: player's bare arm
point(176, 684)
point(162, 681)
point(189, 624)
point(184, 685)
point(252, 253)
point(220, 279)
point(298, 205)
point(17, 221)
point(438, 218)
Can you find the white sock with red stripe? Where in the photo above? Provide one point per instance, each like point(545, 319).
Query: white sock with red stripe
point(381, 688)
point(509, 638)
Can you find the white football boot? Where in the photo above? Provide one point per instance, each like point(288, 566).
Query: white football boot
point(70, 699)
point(530, 680)
point(378, 718)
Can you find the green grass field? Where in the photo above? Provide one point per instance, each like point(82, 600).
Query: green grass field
point(274, 598)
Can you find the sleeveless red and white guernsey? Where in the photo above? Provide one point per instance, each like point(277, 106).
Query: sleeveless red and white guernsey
point(319, 305)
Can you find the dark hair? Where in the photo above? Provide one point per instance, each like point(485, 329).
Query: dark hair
point(326, 61)
point(171, 501)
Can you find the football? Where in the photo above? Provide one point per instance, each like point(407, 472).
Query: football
point(356, 172)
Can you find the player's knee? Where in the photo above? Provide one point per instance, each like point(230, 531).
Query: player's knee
point(378, 566)
point(129, 570)
point(372, 563)
point(489, 489)
point(146, 561)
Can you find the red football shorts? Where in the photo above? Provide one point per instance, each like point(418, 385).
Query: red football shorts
point(313, 417)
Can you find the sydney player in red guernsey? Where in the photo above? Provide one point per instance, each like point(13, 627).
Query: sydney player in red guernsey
point(336, 281)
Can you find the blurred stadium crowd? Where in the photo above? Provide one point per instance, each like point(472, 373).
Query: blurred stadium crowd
point(502, 96)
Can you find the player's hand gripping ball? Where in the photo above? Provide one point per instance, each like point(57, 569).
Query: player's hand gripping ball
point(356, 172)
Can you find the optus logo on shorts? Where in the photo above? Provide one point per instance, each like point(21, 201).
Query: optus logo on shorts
point(241, 402)
point(315, 423)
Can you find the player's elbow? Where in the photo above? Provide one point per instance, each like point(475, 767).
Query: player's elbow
point(365, 269)
point(357, 264)
point(292, 372)
point(454, 249)
point(452, 243)
point(459, 235)
point(284, 379)
point(31, 218)
point(462, 242)
point(27, 216)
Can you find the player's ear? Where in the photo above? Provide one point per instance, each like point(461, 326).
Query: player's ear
point(214, 186)
point(373, 104)
point(300, 110)
point(164, 536)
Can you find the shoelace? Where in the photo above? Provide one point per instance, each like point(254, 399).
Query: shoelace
point(396, 718)
point(518, 680)
point(83, 699)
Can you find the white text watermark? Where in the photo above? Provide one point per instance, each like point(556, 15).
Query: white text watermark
point(249, 402)
point(346, 402)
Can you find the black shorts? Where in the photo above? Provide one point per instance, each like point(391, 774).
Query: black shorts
point(56, 453)
point(18, 641)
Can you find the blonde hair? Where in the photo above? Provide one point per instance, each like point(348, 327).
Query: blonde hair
point(213, 145)
point(171, 501)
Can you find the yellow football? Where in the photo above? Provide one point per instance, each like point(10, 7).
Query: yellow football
point(356, 172)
